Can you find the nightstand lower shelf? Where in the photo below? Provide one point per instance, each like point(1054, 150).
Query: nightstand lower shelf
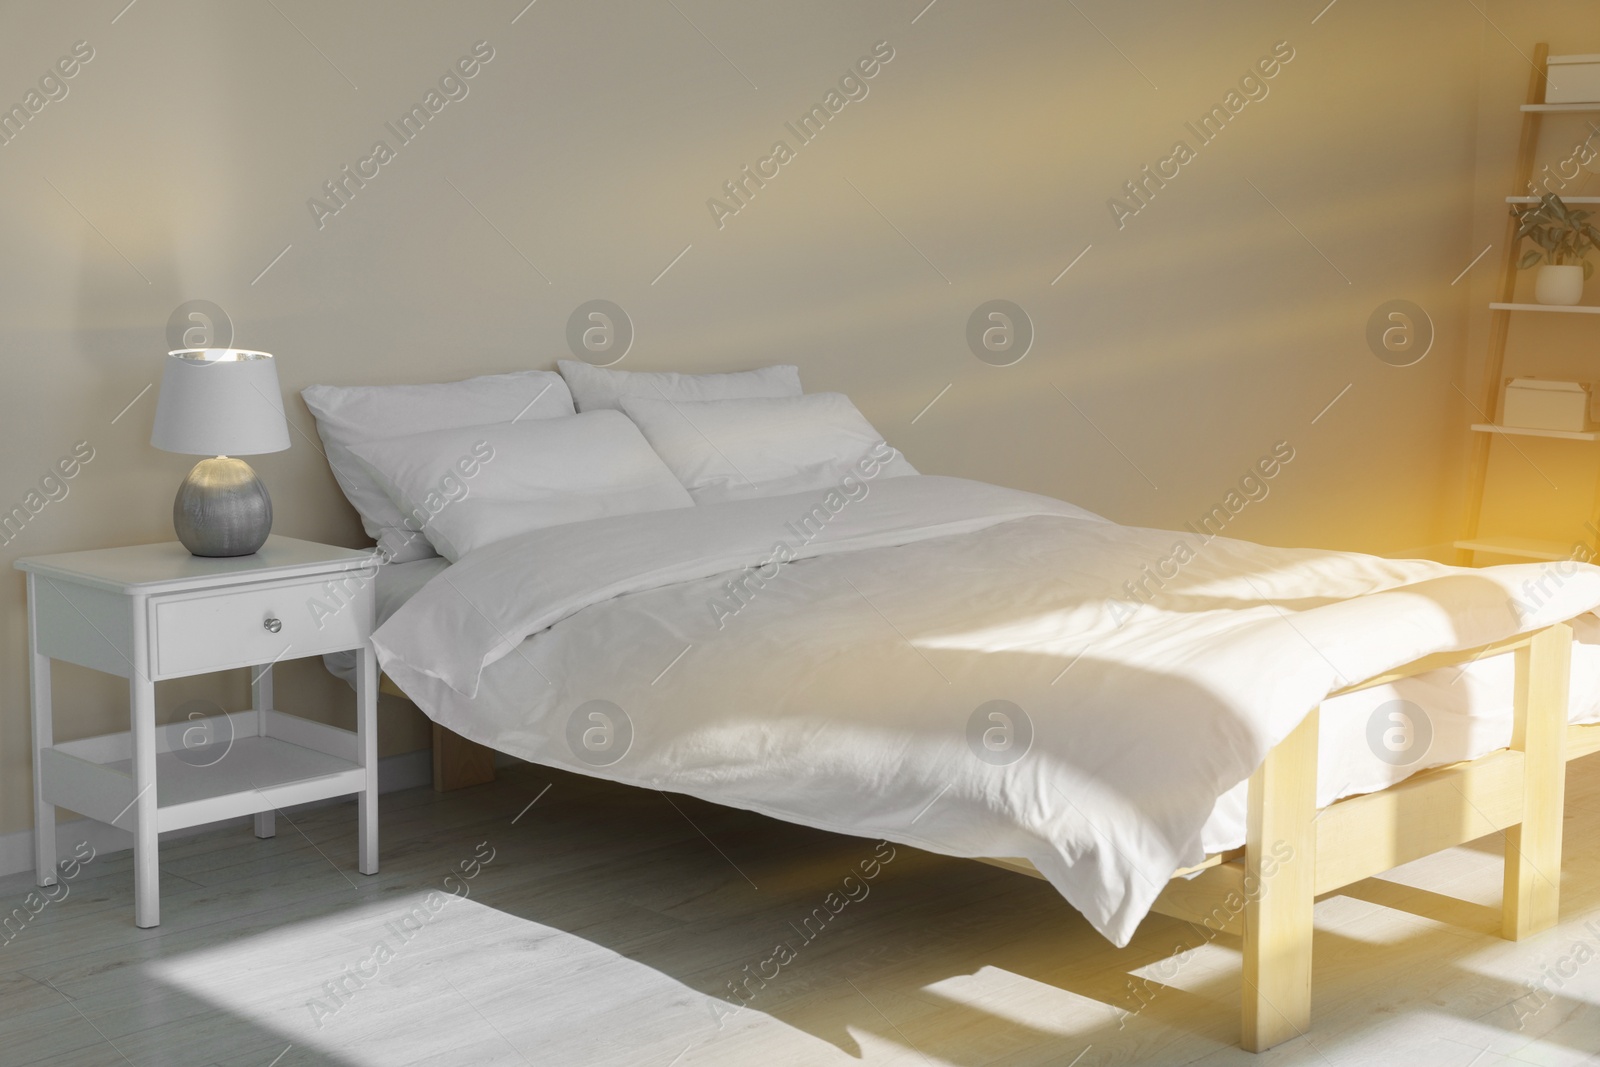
point(251, 766)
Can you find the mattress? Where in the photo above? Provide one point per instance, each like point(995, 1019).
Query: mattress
point(1469, 714)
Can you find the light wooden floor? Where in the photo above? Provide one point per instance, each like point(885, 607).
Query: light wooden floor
point(609, 921)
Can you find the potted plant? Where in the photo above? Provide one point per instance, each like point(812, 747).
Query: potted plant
point(1565, 237)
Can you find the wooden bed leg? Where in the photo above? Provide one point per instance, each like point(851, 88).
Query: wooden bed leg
point(1280, 888)
point(1532, 897)
point(458, 763)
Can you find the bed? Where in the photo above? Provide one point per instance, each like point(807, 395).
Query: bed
point(960, 667)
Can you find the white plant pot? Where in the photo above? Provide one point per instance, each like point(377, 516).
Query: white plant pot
point(1559, 285)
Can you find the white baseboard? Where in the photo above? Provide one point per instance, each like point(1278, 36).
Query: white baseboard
point(404, 771)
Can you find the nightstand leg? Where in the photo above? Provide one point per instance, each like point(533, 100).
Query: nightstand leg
point(44, 813)
point(146, 872)
point(261, 700)
point(367, 741)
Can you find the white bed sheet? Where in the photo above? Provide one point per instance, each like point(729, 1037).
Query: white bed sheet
point(844, 694)
point(395, 584)
point(1469, 711)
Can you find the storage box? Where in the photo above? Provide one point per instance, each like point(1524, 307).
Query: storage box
point(1538, 404)
point(1573, 80)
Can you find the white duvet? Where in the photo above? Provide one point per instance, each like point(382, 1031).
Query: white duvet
point(853, 679)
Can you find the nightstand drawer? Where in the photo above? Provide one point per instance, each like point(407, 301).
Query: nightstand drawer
point(255, 624)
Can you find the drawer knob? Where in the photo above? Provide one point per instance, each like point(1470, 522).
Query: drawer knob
point(272, 625)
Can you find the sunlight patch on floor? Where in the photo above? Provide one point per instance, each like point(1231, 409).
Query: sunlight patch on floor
point(374, 984)
point(1017, 999)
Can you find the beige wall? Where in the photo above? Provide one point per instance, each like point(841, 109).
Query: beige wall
point(1221, 319)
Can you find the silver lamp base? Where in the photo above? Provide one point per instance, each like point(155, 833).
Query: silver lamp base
point(222, 509)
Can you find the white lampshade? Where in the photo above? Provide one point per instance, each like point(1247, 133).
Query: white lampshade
point(220, 402)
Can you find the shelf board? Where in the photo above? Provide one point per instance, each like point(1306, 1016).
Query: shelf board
point(1529, 431)
point(1561, 107)
point(1580, 309)
point(1564, 199)
point(1519, 547)
point(249, 775)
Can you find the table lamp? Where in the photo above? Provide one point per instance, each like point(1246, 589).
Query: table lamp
point(222, 403)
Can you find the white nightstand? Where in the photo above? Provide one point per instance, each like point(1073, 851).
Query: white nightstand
point(152, 612)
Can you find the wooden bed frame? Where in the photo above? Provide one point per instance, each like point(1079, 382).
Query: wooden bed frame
point(1295, 853)
point(1268, 901)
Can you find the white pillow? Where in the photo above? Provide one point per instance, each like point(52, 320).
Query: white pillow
point(473, 485)
point(347, 415)
point(733, 449)
point(597, 387)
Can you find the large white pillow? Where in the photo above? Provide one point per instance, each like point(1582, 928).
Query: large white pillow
point(733, 449)
point(597, 387)
point(348, 415)
point(473, 485)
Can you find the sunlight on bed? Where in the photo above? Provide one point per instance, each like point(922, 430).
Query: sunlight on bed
point(1060, 633)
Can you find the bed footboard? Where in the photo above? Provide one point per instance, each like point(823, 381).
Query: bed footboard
point(1293, 853)
point(1532, 897)
point(1279, 888)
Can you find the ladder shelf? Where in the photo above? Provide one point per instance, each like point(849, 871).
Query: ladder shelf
point(1502, 310)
